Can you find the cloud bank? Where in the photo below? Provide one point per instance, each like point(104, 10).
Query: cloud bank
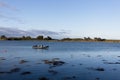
point(14, 32)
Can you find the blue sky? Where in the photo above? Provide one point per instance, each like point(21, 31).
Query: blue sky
point(79, 18)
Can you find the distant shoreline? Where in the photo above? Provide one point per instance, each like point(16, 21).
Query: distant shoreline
point(50, 39)
point(111, 41)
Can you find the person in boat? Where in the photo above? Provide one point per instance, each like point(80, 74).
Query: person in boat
point(39, 46)
point(35, 45)
point(42, 46)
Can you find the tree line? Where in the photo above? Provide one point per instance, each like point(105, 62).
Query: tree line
point(41, 37)
point(84, 39)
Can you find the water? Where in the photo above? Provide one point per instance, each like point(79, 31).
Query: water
point(83, 61)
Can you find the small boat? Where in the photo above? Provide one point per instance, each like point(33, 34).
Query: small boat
point(40, 47)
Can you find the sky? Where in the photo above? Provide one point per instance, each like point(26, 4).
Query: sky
point(78, 18)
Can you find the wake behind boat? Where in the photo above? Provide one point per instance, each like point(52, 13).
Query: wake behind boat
point(40, 47)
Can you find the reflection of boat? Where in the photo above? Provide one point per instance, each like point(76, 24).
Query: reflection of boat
point(40, 47)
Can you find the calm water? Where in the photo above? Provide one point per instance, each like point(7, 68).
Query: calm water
point(83, 61)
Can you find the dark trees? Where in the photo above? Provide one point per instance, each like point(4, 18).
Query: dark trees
point(48, 38)
point(39, 37)
point(3, 37)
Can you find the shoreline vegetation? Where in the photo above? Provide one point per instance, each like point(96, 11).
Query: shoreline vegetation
point(48, 38)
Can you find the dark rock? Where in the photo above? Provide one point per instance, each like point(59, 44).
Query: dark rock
point(2, 58)
point(47, 61)
point(25, 73)
point(97, 69)
point(69, 78)
point(88, 56)
point(5, 72)
point(43, 78)
point(104, 60)
point(100, 69)
point(74, 77)
point(52, 71)
point(15, 70)
point(58, 63)
point(54, 62)
point(111, 62)
point(114, 69)
point(9, 72)
point(97, 79)
point(80, 64)
point(2, 72)
point(22, 61)
point(73, 65)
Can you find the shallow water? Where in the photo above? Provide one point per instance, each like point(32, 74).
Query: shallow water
point(83, 61)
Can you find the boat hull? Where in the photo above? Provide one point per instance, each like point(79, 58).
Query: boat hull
point(37, 47)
